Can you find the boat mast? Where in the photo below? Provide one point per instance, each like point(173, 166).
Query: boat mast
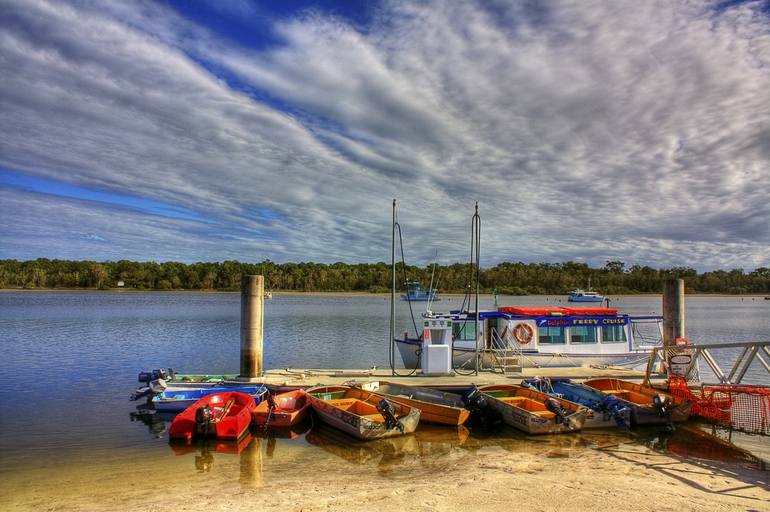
point(393, 294)
point(476, 234)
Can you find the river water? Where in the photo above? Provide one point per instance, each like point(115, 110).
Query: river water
point(70, 360)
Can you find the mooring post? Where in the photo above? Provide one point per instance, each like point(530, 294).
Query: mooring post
point(252, 321)
point(673, 311)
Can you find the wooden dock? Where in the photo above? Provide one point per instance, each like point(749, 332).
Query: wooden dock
point(294, 377)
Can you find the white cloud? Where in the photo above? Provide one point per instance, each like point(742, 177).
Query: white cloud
point(627, 130)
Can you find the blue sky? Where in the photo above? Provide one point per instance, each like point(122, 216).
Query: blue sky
point(206, 131)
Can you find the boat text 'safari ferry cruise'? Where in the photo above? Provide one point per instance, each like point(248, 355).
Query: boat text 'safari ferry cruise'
point(543, 336)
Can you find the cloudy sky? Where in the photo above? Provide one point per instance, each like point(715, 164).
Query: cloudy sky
point(586, 131)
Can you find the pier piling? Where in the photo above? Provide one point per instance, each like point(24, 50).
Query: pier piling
point(252, 322)
point(673, 311)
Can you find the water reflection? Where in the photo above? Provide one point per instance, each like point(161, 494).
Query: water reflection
point(248, 449)
point(157, 422)
point(690, 442)
point(272, 434)
point(251, 474)
point(432, 443)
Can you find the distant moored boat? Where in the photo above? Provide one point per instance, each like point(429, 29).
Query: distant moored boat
point(416, 293)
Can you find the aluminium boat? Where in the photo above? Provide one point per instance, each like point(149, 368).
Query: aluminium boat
point(604, 411)
point(532, 411)
point(436, 406)
point(649, 406)
point(362, 414)
point(175, 399)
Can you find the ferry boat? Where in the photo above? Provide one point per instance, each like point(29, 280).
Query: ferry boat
point(416, 293)
point(541, 336)
point(579, 295)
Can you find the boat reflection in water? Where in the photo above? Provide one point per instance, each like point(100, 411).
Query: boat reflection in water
point(426, 443)
point(263, 452)
point(272, 434)
point(248, 449)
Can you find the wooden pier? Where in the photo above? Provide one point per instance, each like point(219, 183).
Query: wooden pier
point(299, 377)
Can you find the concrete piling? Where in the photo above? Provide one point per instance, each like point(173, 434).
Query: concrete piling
point(252, 322)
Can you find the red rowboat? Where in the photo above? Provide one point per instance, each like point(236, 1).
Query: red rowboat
point(282, 410)
point(224, 415)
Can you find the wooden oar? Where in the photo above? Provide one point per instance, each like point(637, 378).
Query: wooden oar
point(225, 409)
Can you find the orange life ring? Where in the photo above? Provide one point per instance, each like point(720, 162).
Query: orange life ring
point(523, 333)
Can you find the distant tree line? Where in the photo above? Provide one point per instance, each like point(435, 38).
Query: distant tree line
point(506, 278)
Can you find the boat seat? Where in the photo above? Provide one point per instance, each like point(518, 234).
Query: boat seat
point(374, 417)
point(341, 402)
point(616, 391)
point(511, 399)
point(544, 414)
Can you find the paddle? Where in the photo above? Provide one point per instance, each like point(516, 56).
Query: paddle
point(225, 410)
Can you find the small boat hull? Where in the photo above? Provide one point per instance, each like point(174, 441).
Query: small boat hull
point(601, 414)
point(585, 299)
point(525, 410)
point(640, 400)
point(230, 417)
point(354, 412)
point(290, 408)
point(178, 399)
point(435, 406)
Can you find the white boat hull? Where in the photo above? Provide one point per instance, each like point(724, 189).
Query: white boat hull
point(463, 358)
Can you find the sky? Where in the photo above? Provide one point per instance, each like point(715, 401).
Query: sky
point(241, 130)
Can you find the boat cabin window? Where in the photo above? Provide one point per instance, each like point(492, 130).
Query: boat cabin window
point(464, 331)
point(613, 334)
point(583, 334)
point(553, 335)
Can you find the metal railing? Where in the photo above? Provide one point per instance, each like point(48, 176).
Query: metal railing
point(503, 351)
point(748, 352)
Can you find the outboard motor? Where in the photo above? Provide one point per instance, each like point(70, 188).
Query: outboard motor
point(151, 389)
point(561, 413)
point(616, 409)
point(481, 412)
point(389, 415)
point(160, 373)
point(475, 400)
point(271, 402)
point(661, 404)
point(204, 420)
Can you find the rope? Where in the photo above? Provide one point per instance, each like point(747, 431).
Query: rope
point(475, 251)
point(403, 268)
point(418, 352)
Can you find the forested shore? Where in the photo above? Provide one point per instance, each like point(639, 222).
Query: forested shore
point(505, 278)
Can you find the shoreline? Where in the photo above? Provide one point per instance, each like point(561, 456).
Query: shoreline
point(355, 293)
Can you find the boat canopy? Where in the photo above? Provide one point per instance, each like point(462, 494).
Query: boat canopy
point(556, 311)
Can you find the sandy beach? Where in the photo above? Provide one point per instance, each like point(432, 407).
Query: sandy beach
point(543, 477)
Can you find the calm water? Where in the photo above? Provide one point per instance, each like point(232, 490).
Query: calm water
point(71, 360)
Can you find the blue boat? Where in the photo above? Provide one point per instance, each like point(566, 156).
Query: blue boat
point(179, 399)
point(416, 293)
point(604, 410)
point(579, 295)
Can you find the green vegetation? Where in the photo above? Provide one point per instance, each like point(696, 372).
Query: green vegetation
point(507, 278)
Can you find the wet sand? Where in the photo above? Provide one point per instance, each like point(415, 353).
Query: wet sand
point(433, 473)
